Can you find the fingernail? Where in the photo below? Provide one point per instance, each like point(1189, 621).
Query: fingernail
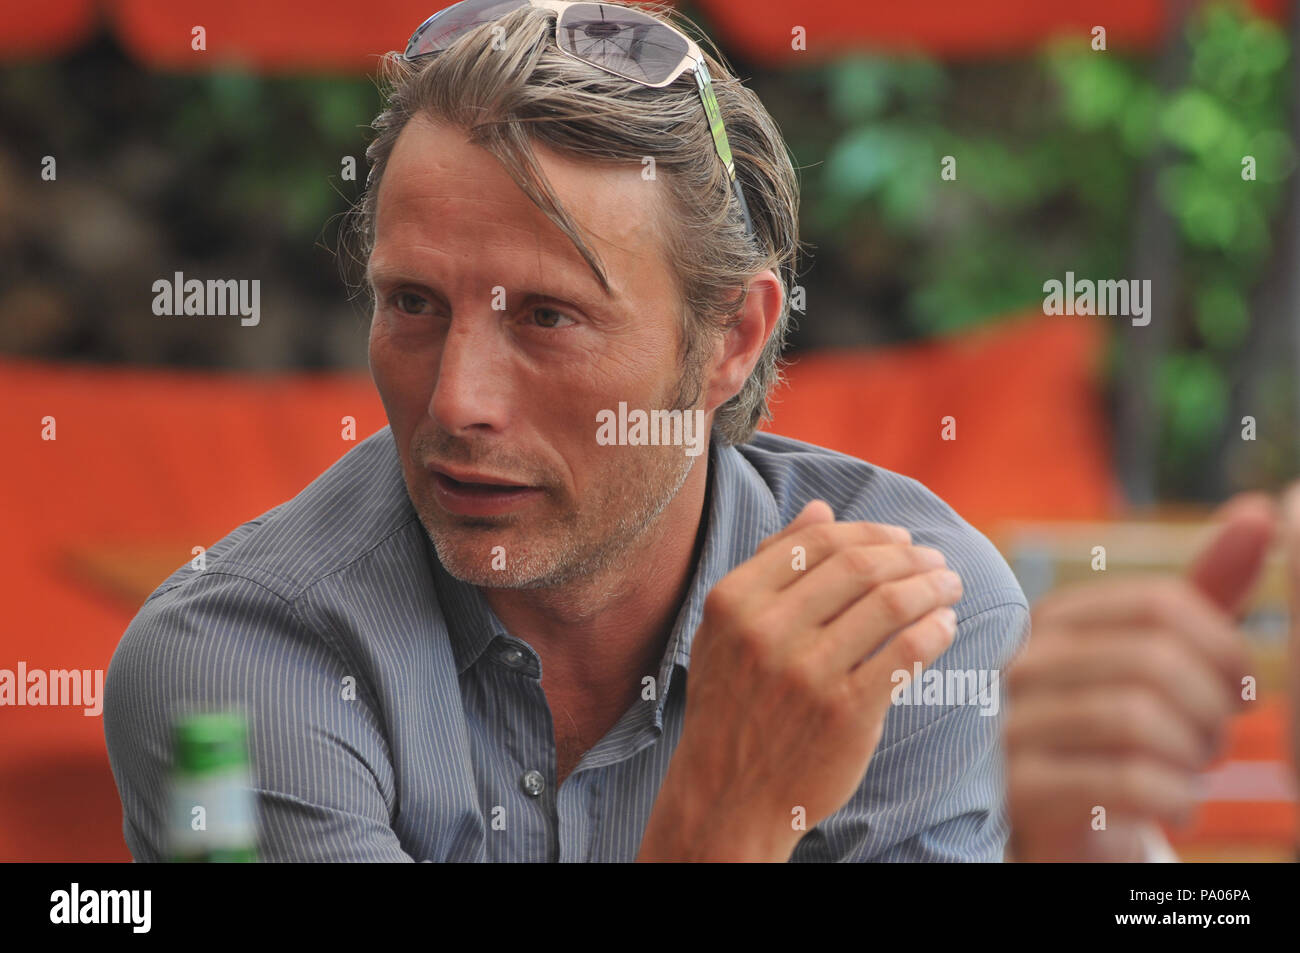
point(948, 619)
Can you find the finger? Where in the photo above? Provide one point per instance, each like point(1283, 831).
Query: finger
point(865, 626)
point(1121, 720)
point(786, 561)
point(921, 642)
point(849, 574)
point(815, 511)
point(1167, 602)
point(1153, 659)
point(1052, 790)
point(1227, 568)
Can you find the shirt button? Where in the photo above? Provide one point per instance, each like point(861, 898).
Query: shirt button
point(532, 783)
point(513, 657)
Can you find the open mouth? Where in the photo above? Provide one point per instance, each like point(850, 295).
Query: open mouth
point(478, 489)
point(479, 498)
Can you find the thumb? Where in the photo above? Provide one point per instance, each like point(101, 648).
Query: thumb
point(1227, 568)
point(816, 511)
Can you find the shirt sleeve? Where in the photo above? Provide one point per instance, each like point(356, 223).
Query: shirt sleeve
point(935, 788)
point(320, 762)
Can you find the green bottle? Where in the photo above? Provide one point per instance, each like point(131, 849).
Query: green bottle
point(213, 808)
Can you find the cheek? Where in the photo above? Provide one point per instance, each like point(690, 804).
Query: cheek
point(382, 357)
point(567, 407)
point(379, 347)
point(402, 376)
point(637, 368)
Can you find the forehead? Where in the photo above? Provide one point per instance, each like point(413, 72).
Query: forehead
point(443, 197)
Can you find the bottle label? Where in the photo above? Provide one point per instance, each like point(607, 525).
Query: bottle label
point(212, 812)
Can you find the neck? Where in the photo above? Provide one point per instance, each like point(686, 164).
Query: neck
point(615, 624)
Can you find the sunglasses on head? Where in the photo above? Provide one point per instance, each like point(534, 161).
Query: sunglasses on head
point(616, 39)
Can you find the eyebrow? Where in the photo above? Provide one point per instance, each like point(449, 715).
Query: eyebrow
point(396, 275)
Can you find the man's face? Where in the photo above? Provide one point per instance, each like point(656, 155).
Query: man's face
point(494, 347)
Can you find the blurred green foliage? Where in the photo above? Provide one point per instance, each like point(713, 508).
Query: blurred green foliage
point(287, 135)
point(1046, 183)
point(228, 167)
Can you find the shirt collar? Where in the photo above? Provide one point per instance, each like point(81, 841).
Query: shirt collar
point(471, 623)
point(741, 512)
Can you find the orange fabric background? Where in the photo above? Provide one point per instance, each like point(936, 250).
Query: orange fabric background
point(1030, 435)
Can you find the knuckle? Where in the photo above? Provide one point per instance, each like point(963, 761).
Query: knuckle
point(912, 643)
point(822, 536)
point(754, 651)
point(893, 600)
point(752, 635)
point(721, 603)
point(799, 676)
point(841, 705)
point(860, 561)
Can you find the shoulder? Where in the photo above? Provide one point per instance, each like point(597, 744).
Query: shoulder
point(797, 473)
point(338, 518)
point(224, 628)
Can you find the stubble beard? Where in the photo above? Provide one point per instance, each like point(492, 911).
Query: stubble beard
point(579, 544)
point(587, 540)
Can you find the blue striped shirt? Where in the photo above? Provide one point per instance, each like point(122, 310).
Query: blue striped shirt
point(444, 751)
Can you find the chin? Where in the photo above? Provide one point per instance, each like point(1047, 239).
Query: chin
point(466, 552)
point(467, 555)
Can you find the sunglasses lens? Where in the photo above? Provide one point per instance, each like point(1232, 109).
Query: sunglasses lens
point(622, 41)
point(444, 27)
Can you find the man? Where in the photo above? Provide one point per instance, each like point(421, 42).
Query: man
point(1125, 693)
point(567, 605)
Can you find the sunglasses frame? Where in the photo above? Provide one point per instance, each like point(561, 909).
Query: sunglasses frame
point(692, 60)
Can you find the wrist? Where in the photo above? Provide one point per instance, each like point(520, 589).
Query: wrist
point(687, 825)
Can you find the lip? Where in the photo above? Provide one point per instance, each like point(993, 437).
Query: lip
point(468, 493)
point(473, 476)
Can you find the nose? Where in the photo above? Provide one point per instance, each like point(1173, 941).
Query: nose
point(471, 393)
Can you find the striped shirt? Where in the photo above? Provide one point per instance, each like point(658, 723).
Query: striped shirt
point(444, 749)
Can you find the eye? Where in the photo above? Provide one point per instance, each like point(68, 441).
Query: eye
point(550, 318)
point(403, 298)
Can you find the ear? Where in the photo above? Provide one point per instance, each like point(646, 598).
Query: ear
point(742, 344)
